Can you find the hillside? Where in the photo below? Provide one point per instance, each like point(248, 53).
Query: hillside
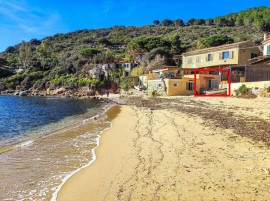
point(65, 59)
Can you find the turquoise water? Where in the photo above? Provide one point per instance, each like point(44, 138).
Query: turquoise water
point(54, 138)
point(21, 116)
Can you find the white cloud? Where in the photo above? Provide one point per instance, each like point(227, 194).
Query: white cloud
point(23, 17)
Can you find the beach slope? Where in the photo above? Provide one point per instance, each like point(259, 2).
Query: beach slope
point(167, 155)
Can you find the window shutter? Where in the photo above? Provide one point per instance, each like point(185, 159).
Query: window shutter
point(192, 86)
point(187, 85)
point(231, 54)
point(220, 56)
point(268, 50)
point(206, 58)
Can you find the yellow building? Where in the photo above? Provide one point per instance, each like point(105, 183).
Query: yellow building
point(220, 56)
point(185, 85)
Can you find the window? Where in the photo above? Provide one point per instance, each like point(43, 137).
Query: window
point(198, 59)
point(189, 86)
point(213, 83)
point(209, 57)
point(226, 55)
point(189, 60)
point(175, 85)
point(253, 55)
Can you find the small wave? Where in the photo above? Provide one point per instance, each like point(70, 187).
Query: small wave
point(25, 144)
point(55, 194)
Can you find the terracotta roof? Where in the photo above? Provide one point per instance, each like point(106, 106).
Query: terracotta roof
point(260, 59)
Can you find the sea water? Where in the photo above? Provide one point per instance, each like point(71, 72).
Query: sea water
point(49, 139)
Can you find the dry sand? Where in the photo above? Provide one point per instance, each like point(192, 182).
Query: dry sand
point(169, 155)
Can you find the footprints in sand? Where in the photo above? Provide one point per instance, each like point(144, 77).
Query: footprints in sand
point(178, 160)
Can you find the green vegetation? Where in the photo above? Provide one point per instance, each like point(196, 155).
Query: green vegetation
point(155, 94)
point(214, 40)
point(65, 59)
point(243, 89)
point(126, 84)
point(137, 71)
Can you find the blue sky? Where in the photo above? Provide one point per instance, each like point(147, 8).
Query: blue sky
point(27, 19)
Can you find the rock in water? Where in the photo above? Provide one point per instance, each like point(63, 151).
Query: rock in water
point(23, 93)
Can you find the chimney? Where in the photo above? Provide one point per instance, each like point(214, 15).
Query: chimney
point(266, 36)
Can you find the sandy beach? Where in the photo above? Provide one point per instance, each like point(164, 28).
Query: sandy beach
point(186, 153)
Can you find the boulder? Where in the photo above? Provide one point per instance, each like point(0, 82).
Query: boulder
point(90, 93)
point(60, 91)
point(23, 93)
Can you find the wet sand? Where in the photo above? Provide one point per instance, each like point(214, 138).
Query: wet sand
point(34, 171)
point(170, 155)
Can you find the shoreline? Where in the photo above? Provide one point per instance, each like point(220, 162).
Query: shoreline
point(29, 141)
point(110, 115)
point(87, 127)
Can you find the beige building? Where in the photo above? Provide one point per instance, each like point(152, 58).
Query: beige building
point(220, 56)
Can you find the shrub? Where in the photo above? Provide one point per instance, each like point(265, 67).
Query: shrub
point(126, 83)
point(243, 89)
point(155, 94)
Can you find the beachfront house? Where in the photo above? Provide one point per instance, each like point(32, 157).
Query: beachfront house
point(219, 57)
point(255, 73)
point(168, 81)
point(242, 59)
point(184, 85)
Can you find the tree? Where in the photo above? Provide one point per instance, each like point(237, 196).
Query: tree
point(104, 41)
point(35, 41)
point(176, 44)
point(10, 49)
point(190, 22)
point(199, 22)
point(214, 40)
point(156, 22)
point(178, 23)
point(163, 52)
point(25, 53)
point(147, 43)
point(239, 22)
point(263, 26)
point(89, 52)
point(221, 21)
point(230, 21)
point(209, 22)
point(136, 71)
point(167, 22)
